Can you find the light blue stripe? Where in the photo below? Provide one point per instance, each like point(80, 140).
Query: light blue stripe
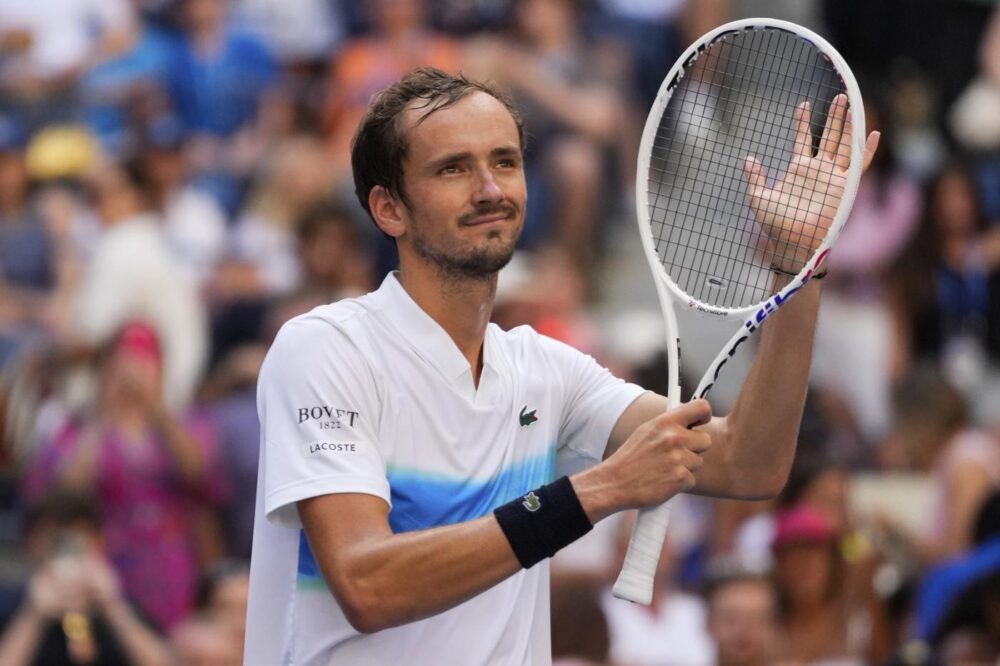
point(423, 499)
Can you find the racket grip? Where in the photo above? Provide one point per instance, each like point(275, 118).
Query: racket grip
point(635, 582)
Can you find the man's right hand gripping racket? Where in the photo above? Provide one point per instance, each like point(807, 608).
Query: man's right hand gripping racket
point(748, 166)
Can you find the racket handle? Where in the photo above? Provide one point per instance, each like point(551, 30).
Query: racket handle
point(635, 582)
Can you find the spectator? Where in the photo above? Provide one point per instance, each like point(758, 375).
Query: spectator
point(400, 40)
point(264, 262)
point(155, 477)
point(218, 72)
point(26, 261)
point(809, 573)
point(650, 30)
point(743, 620)
point(72, 609)
point(234, 413)
point(670, 631)
point(959, 605)
point(579, 628)
point(298, 33)
point(948, 283)
point(567, 88)
point(45, 52)
point(132, 275)
point(336, 261)
point(218, 79)
point(125, 91)
point(933, 433)
point(195, 224)
point(214, 634)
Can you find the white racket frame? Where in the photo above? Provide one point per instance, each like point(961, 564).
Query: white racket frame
point(636, 580)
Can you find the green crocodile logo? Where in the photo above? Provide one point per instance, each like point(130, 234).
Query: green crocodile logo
point(528, 418)
point(531, 502)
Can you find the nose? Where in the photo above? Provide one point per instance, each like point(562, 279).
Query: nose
point(487, 191)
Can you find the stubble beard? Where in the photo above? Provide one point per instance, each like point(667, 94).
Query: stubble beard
point(477, 263)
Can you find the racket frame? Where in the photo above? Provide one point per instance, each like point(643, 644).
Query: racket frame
point(636, 580)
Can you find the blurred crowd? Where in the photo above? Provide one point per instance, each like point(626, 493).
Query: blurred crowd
point(175, 184)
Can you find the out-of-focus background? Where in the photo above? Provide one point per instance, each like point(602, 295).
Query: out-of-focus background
point(175, 184)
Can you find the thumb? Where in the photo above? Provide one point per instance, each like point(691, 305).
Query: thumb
point(691, 414)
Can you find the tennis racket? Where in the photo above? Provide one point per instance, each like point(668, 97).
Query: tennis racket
point(748, 166)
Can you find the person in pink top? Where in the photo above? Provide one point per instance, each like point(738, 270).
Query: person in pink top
point(934, 434)
point(155, 477)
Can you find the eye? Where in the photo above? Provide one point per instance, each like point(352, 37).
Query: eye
point(449, 169)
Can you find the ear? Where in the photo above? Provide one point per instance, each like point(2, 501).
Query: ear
point(387, 211)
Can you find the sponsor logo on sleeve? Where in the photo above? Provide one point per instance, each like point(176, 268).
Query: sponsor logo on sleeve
point(330, 448)
point(326, 417)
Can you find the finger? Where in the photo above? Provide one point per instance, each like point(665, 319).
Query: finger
point(699, 442)
point(803, 134)
point(834, 125)
point(845, 147)
point(691, 414)
point(694, 461)
point(756, 179)
point(871, 145)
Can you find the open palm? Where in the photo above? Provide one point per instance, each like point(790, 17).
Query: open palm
point(797, 212)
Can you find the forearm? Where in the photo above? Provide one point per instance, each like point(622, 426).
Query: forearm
point(381, 579)
point(761, 431)
point(387, 579)
point(20, 641)
point(142, 646)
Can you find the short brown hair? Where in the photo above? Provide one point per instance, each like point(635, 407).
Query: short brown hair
point(380, 145)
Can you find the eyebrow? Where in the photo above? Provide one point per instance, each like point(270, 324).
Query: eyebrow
point(501, 151)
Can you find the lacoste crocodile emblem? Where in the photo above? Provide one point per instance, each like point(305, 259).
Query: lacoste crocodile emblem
point(527, 418)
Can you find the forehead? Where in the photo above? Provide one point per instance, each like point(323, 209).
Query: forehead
point(744, 593)
point(476, 123)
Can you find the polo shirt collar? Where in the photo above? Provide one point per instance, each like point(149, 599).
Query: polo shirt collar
point(423, 333)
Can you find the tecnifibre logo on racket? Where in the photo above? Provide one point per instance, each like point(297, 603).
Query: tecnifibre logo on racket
point(769, 307)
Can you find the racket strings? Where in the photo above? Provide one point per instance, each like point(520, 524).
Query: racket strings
point(738, 100)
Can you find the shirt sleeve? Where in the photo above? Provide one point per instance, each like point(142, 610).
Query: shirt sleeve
point(594, 401)
point(319, 412)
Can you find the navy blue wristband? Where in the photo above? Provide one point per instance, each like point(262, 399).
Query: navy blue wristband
point(543, 521)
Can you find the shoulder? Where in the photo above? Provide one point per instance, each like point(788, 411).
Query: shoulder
point(332, 325)
point(527, 341)
point(340, 333)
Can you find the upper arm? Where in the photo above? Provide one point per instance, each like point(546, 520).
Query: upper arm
point(337, 527)
point(319, 413)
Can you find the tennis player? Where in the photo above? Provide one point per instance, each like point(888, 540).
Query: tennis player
point(413, 456)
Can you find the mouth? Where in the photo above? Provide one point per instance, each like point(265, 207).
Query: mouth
point(487, 217)
point(482, 220)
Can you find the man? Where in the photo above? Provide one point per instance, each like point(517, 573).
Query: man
point(72, 610)
point(743, 619)
point(408, 448)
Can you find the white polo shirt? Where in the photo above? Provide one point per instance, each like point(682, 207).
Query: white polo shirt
point(370, 395)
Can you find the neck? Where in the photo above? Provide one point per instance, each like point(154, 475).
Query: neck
point(460, 305)
point(207, 38)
